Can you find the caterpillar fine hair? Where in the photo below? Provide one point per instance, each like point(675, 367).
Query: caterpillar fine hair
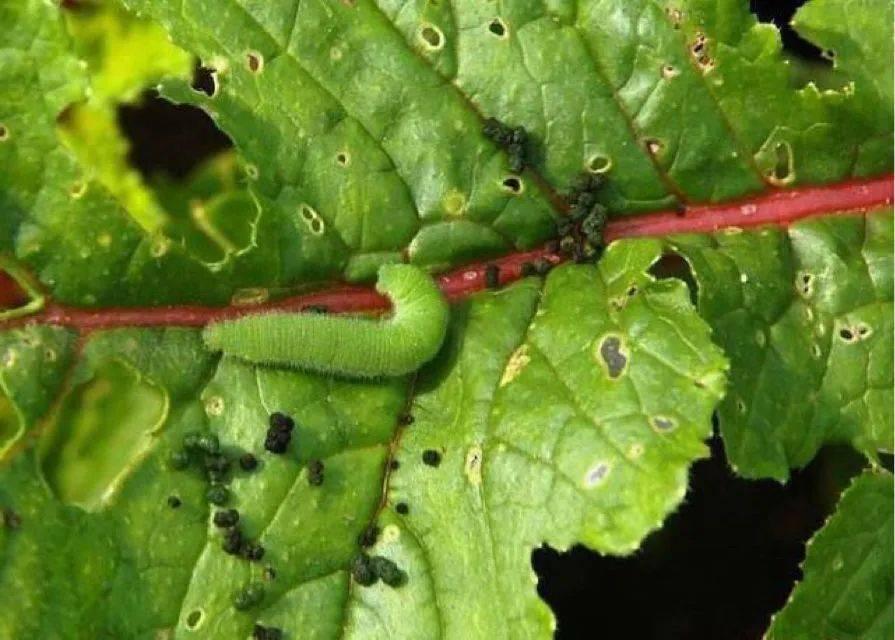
point(343, 345)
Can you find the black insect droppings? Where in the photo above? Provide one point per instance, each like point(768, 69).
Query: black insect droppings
point(610, 351)
point(249, 596)
point(368, 536)
point(405, 419)
point(226, 518)
point(248, 462)
point(280, 433)
point(394, 464)
point(316, 308)
point(10, 519)
point(431, 457)
point(260, 632)
point(191, 440)
point(209, 443)
point(362, 571)
point(217, 494)
point(402, 508)
point(315, 473)
point(387, 571)
point(252, 551)
point(174, 502)
point(513, 140)
point(542, 266)
point(492, 276)
point(179, 460)
point(216, 466)
point(232, 543)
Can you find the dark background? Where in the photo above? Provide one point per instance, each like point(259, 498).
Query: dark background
point(720, 566)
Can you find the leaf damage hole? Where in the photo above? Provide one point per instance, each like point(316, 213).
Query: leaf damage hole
point(663, 424)
point(782, 172)
point(4, 133)
point(473, 465)
point(498, 28)
point(312, 220)
point(343, 158)
point(668, 72)
point(77, 190)
point(596, 475)
point(805, 284)
point(599, 163)
point(252, 172)
point(205, 80)
point(431, 37)
point(214, 406)
point(255, 62)
point(675, 16)
point(613, 355)
point(513, 185)
point(654, 146)
point(194, 619)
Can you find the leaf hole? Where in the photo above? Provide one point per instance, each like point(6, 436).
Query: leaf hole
point(675, 16)
point(194, 619)
point(864, 331)
point(513, 185)
point(654, 146)
point(77, 190)
point(312, 220)
point(816, 351)
point(255, 62)
point(498, 28)
point(251, 171)
point(4, 133)
point(663, 424)
point(847, 335)
point(597, 474)
point(805, 284)
point(612, 354)
point(431, 37)
point(668, 72)
point(782, 172)
point(205, 80)
point(599, 163)
point(343, 159)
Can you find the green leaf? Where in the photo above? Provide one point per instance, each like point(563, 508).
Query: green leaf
point(365, 143)
point(805, 316)
point(561, 412)
point(847, 586)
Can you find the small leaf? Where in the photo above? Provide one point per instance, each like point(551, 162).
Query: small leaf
point(847, 587)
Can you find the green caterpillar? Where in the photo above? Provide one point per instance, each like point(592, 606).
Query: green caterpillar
point(346, 346)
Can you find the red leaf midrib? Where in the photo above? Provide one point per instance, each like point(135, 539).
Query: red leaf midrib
point(778, 208)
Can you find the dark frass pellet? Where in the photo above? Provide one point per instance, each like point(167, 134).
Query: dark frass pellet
point(179, 460)
point(174, 502)
point(280, 420)
point(226, 518)
point(191, 440)
point(394, 464)
point(362, 571)
point(249, 596)
point(248, 462)
point(10, 519)
point(280, 432)
point(402, 508)
point(431, 457)
point(260, 632)
point(387, 571)
point(405, 419)
point(232, 542)
point(315, 473)
point(252, 552)
point(368, 536)
point(216, 466)
point(217, 494)
point(492, 276)
point(209, 443)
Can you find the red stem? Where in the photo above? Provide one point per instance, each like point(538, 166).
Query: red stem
point(775, 208)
